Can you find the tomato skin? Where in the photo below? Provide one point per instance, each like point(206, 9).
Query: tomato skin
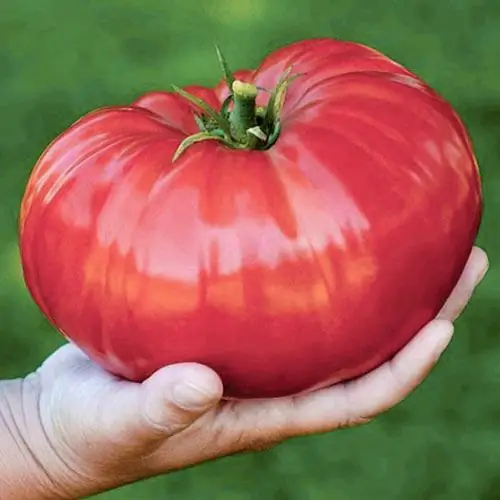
point(284, 270)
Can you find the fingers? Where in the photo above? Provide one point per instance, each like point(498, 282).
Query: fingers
point(256, 424)
point(473, 273)
point(165, 404)
point(393, 381)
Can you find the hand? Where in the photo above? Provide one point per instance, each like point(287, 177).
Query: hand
point(91, 431)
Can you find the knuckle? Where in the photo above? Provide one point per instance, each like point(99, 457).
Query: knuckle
point(354, 422)
point(238, 431)
point(170, 420)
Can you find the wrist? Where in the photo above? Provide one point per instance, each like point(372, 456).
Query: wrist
point(29, 466)
point(34, 465)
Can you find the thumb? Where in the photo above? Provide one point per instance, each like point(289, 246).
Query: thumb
point(169, 401)
point(176, 396)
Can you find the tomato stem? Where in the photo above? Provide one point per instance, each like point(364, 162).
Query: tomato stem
point(243, 116)
point(244, 125)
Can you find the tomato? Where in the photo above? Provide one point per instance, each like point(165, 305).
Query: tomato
point(285, 263)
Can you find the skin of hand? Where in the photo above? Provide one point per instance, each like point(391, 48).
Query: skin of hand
point(70, 429)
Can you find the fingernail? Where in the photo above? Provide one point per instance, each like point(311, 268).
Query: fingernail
point(483, 261)
point(482, 274)
point(445, 339)
point(191, 396)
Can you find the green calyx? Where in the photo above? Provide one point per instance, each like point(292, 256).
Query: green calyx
point(244, 125)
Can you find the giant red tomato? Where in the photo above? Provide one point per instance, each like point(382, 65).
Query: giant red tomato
point(304, 244)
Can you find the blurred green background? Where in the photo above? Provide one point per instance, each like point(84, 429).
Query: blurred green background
point(62, 58)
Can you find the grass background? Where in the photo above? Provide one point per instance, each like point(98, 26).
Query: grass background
point(62, 58)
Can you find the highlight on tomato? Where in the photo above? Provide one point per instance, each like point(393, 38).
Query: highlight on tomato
point(291, 228)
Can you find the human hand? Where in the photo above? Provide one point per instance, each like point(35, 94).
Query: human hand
point(88, 431)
